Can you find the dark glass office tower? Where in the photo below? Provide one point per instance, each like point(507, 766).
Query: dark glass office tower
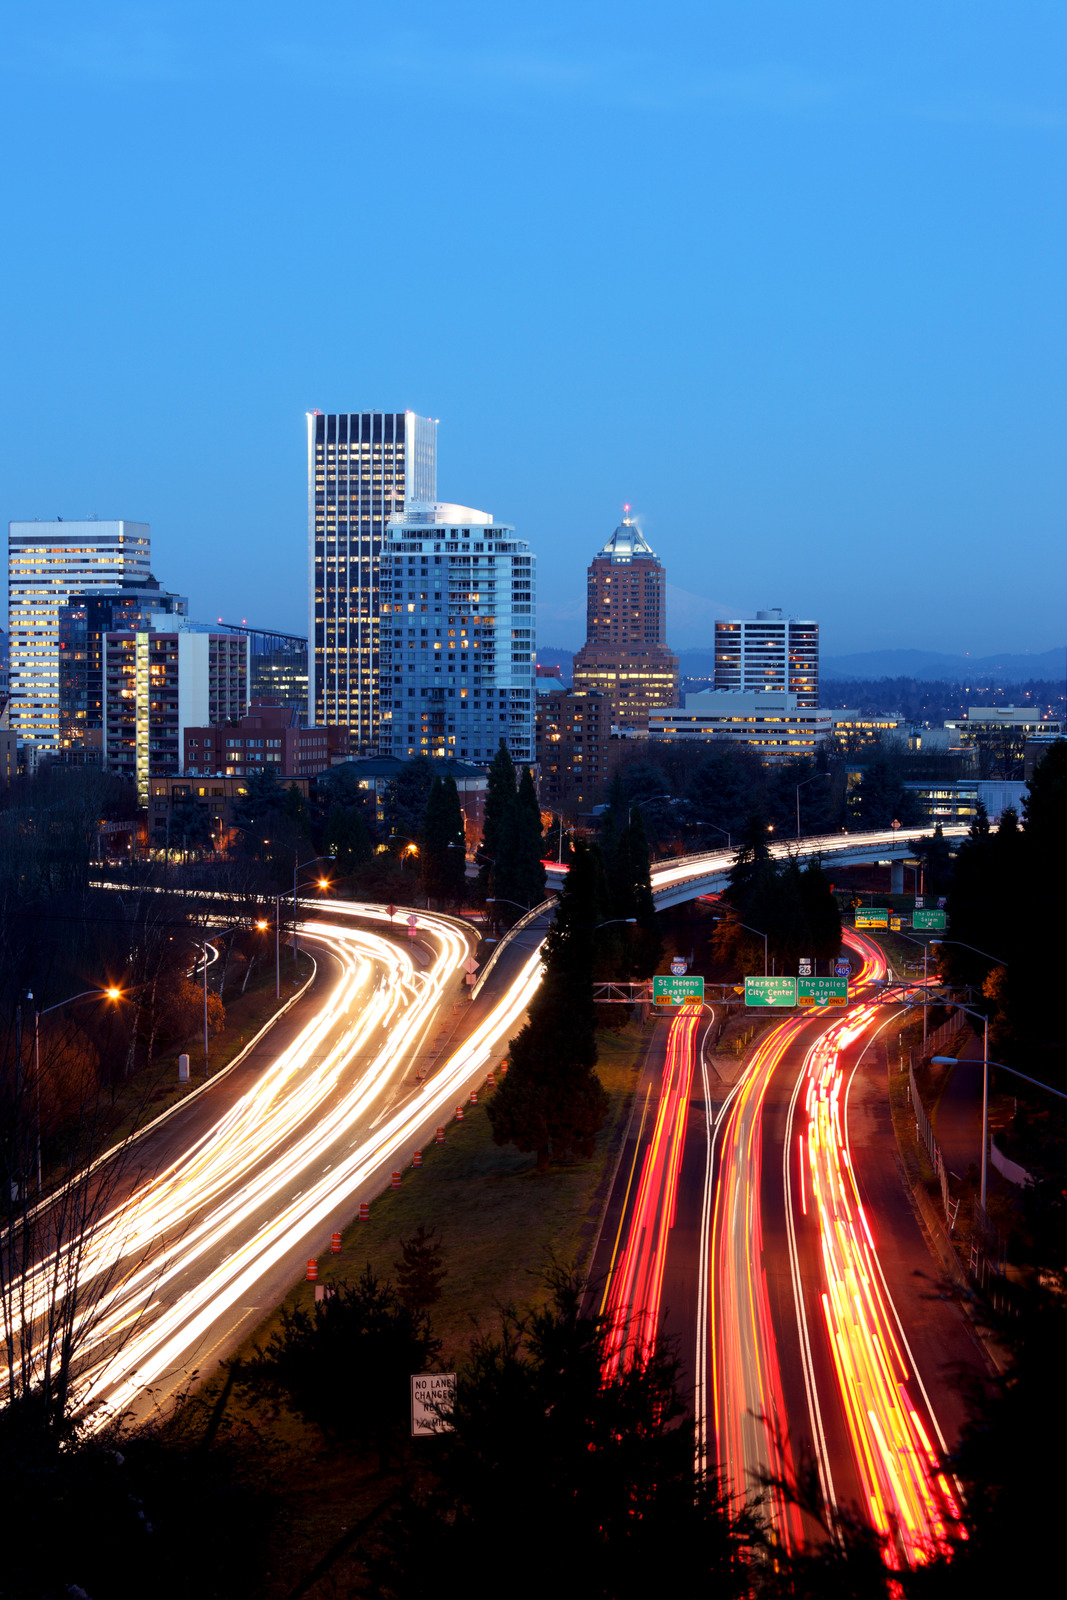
point(364, 467)
point(83, 623)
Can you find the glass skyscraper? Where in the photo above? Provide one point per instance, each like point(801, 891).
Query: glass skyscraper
point(458, 603)
point(47, 562)
point(364, 468)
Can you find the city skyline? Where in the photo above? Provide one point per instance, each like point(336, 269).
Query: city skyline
point(792, 291)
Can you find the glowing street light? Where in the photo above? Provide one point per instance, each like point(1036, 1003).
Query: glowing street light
point(111, 993)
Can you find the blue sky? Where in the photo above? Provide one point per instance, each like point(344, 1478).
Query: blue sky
point(787, 277)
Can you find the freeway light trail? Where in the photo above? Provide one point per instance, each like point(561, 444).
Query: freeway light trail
point(908, 1499)
point(751, 1427)
point(194, 1240)
point(636, 1286)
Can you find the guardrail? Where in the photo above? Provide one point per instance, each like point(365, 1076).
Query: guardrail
point(516, 927)
point(689, 876)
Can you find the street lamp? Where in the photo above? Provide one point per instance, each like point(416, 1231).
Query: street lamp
point(726, 836)
point(262, 924)
point(952, 1061)
point(756, 931)
point(974, 947)
point(924, 945)
point(298, 866)
point(611, 920)
point(800, 786)
point(111, 993)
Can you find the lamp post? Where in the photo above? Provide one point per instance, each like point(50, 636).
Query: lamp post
point(96, 994)
point(298, 866)
point(924, 945)
point(323, 883)
point(974, 947)
point(800, 786)
point(610, 920)
point(943, 1061)
point(725, 834)
point(204, 945)
point(756, 931)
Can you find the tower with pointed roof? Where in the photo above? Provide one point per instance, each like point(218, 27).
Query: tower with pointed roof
point(625, 655)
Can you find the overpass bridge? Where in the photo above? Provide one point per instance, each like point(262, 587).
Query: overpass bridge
point(689, 877)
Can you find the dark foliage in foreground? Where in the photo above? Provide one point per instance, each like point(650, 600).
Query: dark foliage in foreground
point(345, 1364)
point(560, 1480)
point(120, 1516)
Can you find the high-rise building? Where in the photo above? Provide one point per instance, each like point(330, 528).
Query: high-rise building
point(83, 623)
point(364, 467)
point(457, 640)
point(47, 563)
point(160, 680)
point(769, 652)
point(572, 746)
point(625, 655)
point(279, 668)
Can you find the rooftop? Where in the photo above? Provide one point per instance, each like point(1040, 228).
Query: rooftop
point(627, 542)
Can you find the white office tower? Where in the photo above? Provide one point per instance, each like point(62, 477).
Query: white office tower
point(457, 636)
point(769, 652)
point(47, 562)
point(364, 467)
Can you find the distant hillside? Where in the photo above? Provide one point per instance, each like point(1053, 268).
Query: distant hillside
point(927, 666)
point(932, 665)
point(564, 659)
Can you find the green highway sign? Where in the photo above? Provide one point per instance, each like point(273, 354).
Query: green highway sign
point(675, 991)
point(872, 916)
point(822, 992)
point(933, 920)
point(771, 991)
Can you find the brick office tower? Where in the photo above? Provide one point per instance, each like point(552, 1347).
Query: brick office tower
point(625, 655)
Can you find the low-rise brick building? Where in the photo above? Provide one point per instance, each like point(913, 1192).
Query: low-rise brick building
point(268, 735)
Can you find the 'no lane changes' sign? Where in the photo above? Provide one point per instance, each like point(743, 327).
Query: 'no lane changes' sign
point(433, 1394)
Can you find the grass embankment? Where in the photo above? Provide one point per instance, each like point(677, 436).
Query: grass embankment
point(139, 1100)
point(501, 1223)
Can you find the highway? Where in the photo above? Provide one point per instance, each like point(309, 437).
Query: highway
point(746, 1223)
point(739, 1221)
point(218, 1222)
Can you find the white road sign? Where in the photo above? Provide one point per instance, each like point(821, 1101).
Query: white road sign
point(432, 1393)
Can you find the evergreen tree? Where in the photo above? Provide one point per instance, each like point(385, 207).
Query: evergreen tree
point(563, 1475)
point(520, 874)
point(633, 898)
point(345, 837)
point(262, 797)
point(821, 914)
point(405, 801)
point(499, 795)
point(420, 1270)
point(936, 860)
point(443, 850)
point(552, 1100)
point(345, 1364)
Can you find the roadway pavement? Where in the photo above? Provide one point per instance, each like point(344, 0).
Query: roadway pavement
point(768, 1243)
point(947, 1352)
